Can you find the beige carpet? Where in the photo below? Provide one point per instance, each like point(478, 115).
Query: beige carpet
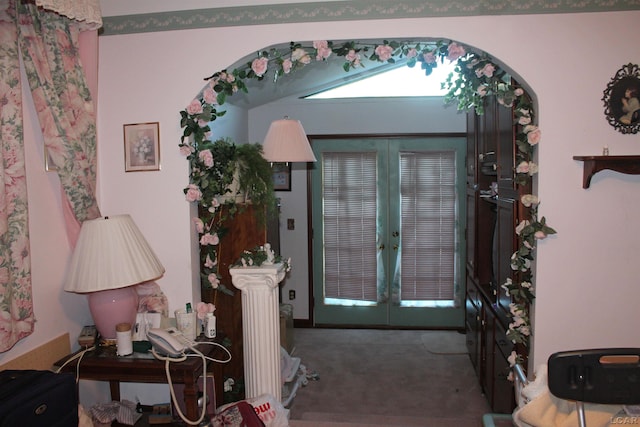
point(386, 378)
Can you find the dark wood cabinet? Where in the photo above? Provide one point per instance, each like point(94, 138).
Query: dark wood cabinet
point(492, 214)
point(489, 348)
point(243, 231)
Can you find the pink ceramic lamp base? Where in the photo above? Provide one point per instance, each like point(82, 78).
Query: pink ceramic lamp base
point(110, 307)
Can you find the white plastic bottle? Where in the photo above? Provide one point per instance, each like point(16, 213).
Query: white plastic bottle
point(210, 326)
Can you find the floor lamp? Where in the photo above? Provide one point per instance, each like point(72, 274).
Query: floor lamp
point(286, 141)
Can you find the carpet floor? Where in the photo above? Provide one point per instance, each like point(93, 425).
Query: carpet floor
point(386, 377)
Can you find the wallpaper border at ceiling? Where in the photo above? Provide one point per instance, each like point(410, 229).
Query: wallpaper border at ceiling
point(348, 10)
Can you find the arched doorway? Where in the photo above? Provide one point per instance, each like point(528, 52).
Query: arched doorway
point(481, 78)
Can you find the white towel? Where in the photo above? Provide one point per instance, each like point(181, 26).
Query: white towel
point(546, 410)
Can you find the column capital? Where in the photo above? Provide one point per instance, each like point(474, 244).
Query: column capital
point(263, 275)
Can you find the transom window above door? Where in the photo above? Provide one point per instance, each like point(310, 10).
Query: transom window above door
point(401, 81)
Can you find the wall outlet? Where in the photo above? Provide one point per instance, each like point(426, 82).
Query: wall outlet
point(292, 294)
point(291, 224)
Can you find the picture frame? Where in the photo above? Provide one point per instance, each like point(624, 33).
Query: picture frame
point(281, 176)
point(622, 100)
point(49, 166)
point(142, 147)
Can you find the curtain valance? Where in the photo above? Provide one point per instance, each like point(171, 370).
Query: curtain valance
point(86, 12)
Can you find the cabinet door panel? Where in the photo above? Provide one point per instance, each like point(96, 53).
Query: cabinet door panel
point(503, 392)
point(472, 145)
point(488, 326)
point(505, 249)
point(471, 235)
point(471, 327)
point(506, 147)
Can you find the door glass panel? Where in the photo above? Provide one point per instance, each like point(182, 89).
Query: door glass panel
point(349, 220)
point(428, 228)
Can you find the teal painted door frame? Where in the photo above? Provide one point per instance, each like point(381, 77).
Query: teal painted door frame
point(386, 312)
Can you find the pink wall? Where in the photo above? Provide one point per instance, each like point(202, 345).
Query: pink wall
point(555, 62)
point(586, 281)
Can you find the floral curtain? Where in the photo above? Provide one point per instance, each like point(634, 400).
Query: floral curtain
point(48, 43)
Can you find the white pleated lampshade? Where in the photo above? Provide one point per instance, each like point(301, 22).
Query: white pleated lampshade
point(286, 141)
point(111, 253)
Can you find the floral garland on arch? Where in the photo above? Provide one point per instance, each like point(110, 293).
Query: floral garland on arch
point(477, 77)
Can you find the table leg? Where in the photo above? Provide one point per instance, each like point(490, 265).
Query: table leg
point(191, 398)
point(218, 376)
point(114, 387)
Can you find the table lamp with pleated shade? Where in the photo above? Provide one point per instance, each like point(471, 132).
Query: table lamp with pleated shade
point(110, 257)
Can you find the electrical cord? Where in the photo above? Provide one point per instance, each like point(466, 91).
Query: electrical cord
point(196, 353)
point(167, 364)
point(78, 356)
point(182, 358)
point(226, 350)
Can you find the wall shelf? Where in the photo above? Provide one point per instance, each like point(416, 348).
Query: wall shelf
point(629, 165)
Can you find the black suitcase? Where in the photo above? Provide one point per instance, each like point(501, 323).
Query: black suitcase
point(33, 398)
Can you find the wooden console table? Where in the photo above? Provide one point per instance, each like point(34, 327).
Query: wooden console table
point(102, 364)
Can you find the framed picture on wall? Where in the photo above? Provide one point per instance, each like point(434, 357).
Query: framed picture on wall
point(622, 100)
point(142, 147)
point(281, 176)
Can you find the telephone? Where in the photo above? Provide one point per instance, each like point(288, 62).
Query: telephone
point(169, 342)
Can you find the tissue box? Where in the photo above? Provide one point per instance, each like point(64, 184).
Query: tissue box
point(144, 322)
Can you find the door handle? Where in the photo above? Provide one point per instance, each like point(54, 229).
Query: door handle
point(381, 247)
point(395, 247)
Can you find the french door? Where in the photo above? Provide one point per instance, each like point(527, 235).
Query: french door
point(388, 235)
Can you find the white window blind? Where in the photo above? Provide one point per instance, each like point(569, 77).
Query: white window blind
point(428, 212)
point(349, 216)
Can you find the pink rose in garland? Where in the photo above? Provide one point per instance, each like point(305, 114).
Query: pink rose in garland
point(455, 51)
point(430, 57)
point(353, 58)
point(195, 107)
point(300, 55)
point(193, 193)
point(210, 96)
point(486, 70)
point(533, 134)
point(286, 66)
point(206, 157)
point(259, 66)
point(209, 239)
point(199, 225)
point(384, 52)
point(322, 48)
